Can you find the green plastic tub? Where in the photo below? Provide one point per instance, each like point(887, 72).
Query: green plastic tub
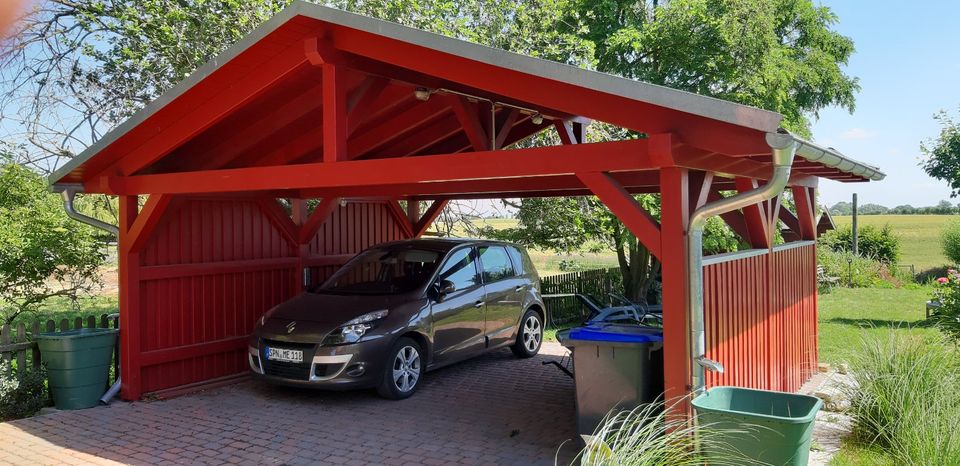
point(78, 364)
point(774, 427)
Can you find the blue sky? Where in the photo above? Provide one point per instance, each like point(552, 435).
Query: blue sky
point(908, 62)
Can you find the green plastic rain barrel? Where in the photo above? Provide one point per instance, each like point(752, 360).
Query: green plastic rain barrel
point(769, 427)
point(78, 364)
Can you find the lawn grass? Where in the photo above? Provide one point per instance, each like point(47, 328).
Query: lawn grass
point(855, 455)
point(920, 235)
point(848, 314)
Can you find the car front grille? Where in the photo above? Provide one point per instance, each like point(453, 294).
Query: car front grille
point(288, 370)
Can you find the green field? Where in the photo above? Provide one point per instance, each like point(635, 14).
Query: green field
point(920, 235)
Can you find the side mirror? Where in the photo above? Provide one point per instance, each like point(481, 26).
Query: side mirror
point(445, 287)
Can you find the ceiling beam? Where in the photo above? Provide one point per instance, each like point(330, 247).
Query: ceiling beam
point(629, 155)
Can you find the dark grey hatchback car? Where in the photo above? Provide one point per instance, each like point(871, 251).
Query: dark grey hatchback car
point(400, 309)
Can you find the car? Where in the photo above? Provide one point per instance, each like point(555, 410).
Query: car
point(400, 309)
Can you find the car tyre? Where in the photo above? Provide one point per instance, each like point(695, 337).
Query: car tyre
point(529, 335)
point(403, 371)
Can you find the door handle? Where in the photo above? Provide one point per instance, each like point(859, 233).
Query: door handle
point(519, 288)
point(478, 304)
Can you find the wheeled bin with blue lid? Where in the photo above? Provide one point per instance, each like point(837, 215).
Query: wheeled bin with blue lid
point(615, 367)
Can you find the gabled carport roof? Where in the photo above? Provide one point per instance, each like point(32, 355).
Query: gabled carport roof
point(267, 92)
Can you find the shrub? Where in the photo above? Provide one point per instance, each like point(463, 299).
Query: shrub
point(880, 244)
point(22, 392)
point(904, 401)
point(860, 272)
point(950, 241)
point(947, 316)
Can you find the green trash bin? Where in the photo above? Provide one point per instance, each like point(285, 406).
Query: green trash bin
point(78, 365)
point(770, 427)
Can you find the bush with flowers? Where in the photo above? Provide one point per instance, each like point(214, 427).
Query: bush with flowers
point(947, 293)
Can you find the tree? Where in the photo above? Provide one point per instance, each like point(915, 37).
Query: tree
point(780, 55)
point(43, 253)
point(943, 153)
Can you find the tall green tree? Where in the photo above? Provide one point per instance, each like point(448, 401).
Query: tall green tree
point(43, 254)
point(943, 153)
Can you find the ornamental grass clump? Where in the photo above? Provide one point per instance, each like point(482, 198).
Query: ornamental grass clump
point(906, 401)
point(647, 436)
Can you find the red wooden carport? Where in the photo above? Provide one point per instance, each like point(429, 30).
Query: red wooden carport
point(361, 114)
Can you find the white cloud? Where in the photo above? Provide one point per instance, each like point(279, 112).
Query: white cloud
point(857, 134)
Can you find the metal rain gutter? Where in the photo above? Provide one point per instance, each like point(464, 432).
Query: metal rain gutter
point(829, 157)
point(69, 192)
point(784, 148)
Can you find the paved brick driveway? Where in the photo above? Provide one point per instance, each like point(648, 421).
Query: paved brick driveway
point(492, 410)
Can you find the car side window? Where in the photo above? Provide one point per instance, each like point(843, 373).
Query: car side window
point(517, 258)
point(496, 263)
point(461, 269)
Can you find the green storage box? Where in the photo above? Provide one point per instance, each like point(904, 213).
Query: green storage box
point(78, 365)
point(775, 427)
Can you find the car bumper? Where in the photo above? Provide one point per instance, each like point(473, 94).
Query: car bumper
point(358, 365)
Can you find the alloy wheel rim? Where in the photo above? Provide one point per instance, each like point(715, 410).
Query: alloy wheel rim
point(406, 369)
point(532, 333)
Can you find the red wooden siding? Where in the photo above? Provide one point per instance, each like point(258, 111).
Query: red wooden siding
point(761, 318)
point(349, 230)
point(213, 266)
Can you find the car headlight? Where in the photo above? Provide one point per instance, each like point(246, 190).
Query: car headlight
point(351, 331)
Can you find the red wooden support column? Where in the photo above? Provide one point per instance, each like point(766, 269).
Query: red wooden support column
point(806, 215)
point(299, 211)
point(136, 226)
point(674, 219)
point(334, 113)
point(129, 277)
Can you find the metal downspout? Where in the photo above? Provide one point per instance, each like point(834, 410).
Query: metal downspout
point(784, 148)
point(69, 193)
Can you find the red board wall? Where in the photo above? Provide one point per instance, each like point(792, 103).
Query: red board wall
point(211, 267)
point(761, 318)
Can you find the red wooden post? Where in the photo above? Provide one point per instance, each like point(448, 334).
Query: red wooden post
point(334, 113)
point(299, 217)
point(674, 218)
point(129, 275)
point(803, 197)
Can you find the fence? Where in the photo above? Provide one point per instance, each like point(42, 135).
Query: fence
point(596, 283)
point(17, 341)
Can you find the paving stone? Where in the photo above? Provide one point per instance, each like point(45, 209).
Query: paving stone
point(462, 414)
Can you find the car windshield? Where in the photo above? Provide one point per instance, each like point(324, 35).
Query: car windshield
point(383, 271)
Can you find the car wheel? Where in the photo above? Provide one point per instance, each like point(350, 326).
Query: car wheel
point(530, 335)
point(403, 371)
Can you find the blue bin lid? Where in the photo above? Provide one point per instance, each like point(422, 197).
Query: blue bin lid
point(618, 333)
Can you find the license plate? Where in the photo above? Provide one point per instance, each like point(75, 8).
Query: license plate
point(285, 355)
